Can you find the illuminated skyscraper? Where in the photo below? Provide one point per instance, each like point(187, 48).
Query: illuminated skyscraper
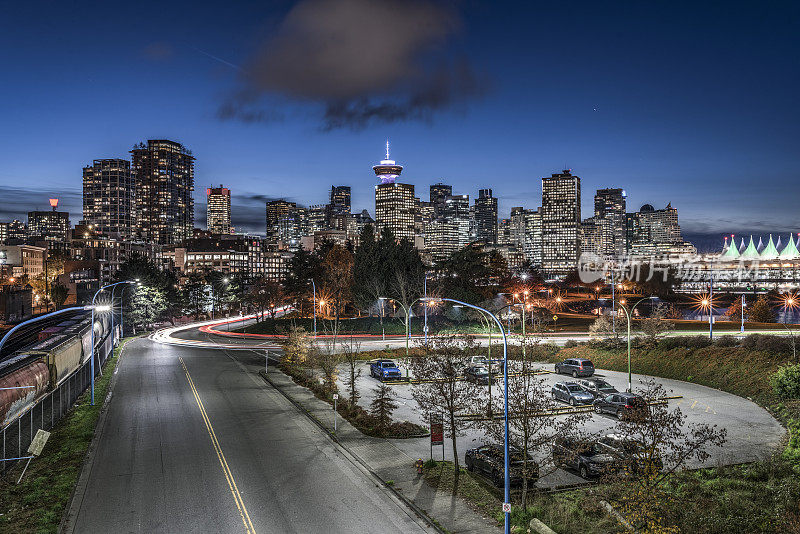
point(609, 216)
point(561, 220)
point(218, 210)
point(109, 197)
point(439, 194)
point(395, 203)
point(486, 217)
point(163, 171)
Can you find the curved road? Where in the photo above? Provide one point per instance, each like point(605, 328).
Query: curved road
point(195, 441)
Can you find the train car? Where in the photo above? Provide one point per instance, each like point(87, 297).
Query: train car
point(49, 332)
point(28, 373)
point(62, 354)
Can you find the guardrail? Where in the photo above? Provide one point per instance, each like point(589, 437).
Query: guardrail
point(17, 435)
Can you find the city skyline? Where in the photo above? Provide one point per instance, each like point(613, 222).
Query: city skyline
point(695, 132)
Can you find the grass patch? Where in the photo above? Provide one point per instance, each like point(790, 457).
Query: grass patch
point(38, 503)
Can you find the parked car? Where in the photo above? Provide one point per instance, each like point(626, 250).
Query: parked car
point(477, 360)
point(585, 457)
point(633, 454)
point(477, 374)
point(596, 386)
point(489, 460)
point(384, 370)
point(575, 367)
point(572, 393)
point(621, 404)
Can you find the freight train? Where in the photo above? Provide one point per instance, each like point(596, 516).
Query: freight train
point(43, 366)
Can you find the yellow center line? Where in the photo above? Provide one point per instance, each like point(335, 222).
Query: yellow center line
point(237, 497)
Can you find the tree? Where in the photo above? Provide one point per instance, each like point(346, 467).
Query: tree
point(148, 306)
point(656, 325)
point(194, 295)
point(382, 407)
point(337, 277)
point(446, 394)
point(302, 268)
point(528, 395)
point(326, 360)
point(661, 443)
point(296, 347)
point(761, 311)
point(265, 295)
point(466, 275)
point(58, 294)
point(603, 327)
point(350, 351)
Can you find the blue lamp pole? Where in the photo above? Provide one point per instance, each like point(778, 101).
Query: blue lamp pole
point(94, 307)
point(121, 314)
point(507, 479)
point(8, 334)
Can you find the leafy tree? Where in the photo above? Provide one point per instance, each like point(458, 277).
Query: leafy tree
point(761, 311)
point(653, 281)
point(265, 295)
point(368, 281)
point(194, 295)
point(58, 294)
point(603, 327)
point(148, 306)
point(138, 267)
point(337, 277)
point(382, 407)
point(297, 347)
point(466, 275)
point(303, 267)
point(445, 394)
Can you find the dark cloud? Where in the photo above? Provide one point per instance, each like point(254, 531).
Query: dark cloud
point(357, 62)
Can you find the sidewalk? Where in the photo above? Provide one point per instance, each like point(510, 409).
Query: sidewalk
point(387, 462)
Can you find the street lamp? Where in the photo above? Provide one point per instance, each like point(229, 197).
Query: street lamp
point(628, 314)
point(101, 308)
point(790, 301)
point(314, 305)
point(507, 479)
point(121, 311)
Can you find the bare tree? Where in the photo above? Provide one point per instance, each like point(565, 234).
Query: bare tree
point(656, 325)
point(660, 443)
point(531, 427)
point(350, 351)
point(603, 328)
point(326, 360)
point(442, 392)
point(382, 407)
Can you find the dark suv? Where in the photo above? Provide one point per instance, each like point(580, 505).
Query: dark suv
point(477, 374)
point(575, 367)
point(624, 405)
point(585, 457)
point(596, 386)
point(634, 455)
point(489, 460)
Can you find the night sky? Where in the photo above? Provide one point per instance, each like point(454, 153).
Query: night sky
point(690, 103)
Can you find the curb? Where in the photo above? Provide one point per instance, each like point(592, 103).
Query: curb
point(416, 509)
point(67, 523)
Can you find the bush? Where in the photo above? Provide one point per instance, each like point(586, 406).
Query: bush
point(726, 341)
point(761, 342)
point(786, 381)
point(570, 343)
point(694, 342)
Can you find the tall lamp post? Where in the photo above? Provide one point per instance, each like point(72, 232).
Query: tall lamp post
point(121, 314)
point(314, 304)
point(507, 479)
point(628, 314)
point(790, 302)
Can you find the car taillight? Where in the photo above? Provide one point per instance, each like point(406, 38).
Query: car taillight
point(581, 366)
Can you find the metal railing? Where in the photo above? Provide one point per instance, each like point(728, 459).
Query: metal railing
point(17, 435)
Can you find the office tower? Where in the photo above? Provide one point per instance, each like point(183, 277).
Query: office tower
point(51, 225)
point(218, 210)
point(526, 234)
point(109, 197)
point(456, 210)
point(14, 230)
point(504, 233)
point(277, 209)
point(652, 231)
point(486, 217)
point(339, 200)
point(593, 232)
point(319, 218)
point(441, 238)
point(561, 219)
point(163, 171)
point(438, 194)
point(395, 203)
point(609, 215)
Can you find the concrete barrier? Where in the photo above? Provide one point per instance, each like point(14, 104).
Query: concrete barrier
point(541, 528)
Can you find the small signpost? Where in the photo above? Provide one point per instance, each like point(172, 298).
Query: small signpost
point(266, 361)
point(35, 449)
point(335, 398)
point(506, 507)
point(437, 433)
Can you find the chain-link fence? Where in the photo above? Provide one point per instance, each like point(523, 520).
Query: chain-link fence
point(17, 435)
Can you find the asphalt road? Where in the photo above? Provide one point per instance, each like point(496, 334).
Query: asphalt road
point(195, 441)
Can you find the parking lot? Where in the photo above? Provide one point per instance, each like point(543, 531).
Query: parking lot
point(752, 432)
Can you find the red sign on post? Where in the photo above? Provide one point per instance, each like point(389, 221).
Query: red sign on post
point(437, 430)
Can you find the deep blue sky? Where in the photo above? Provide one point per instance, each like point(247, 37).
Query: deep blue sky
point(690, 103)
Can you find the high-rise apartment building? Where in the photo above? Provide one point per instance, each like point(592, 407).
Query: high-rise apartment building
point(163, 171)
point(51, 225)
point(12, 230)
point(485, 210)
point(456, 210)
point(609, 216)
point(109, 197)
point(218, 210)
point(395, 203)
point(561, 219)
point(652, 231)
point(339, 200)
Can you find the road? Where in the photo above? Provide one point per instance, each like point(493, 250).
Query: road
point(195, 441)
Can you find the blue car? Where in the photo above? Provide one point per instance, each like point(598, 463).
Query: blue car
point(384, 370)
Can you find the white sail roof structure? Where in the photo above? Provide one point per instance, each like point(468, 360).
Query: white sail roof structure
point(730, 252)
point(790, 251)
point(751, 252)
point(770, 252)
